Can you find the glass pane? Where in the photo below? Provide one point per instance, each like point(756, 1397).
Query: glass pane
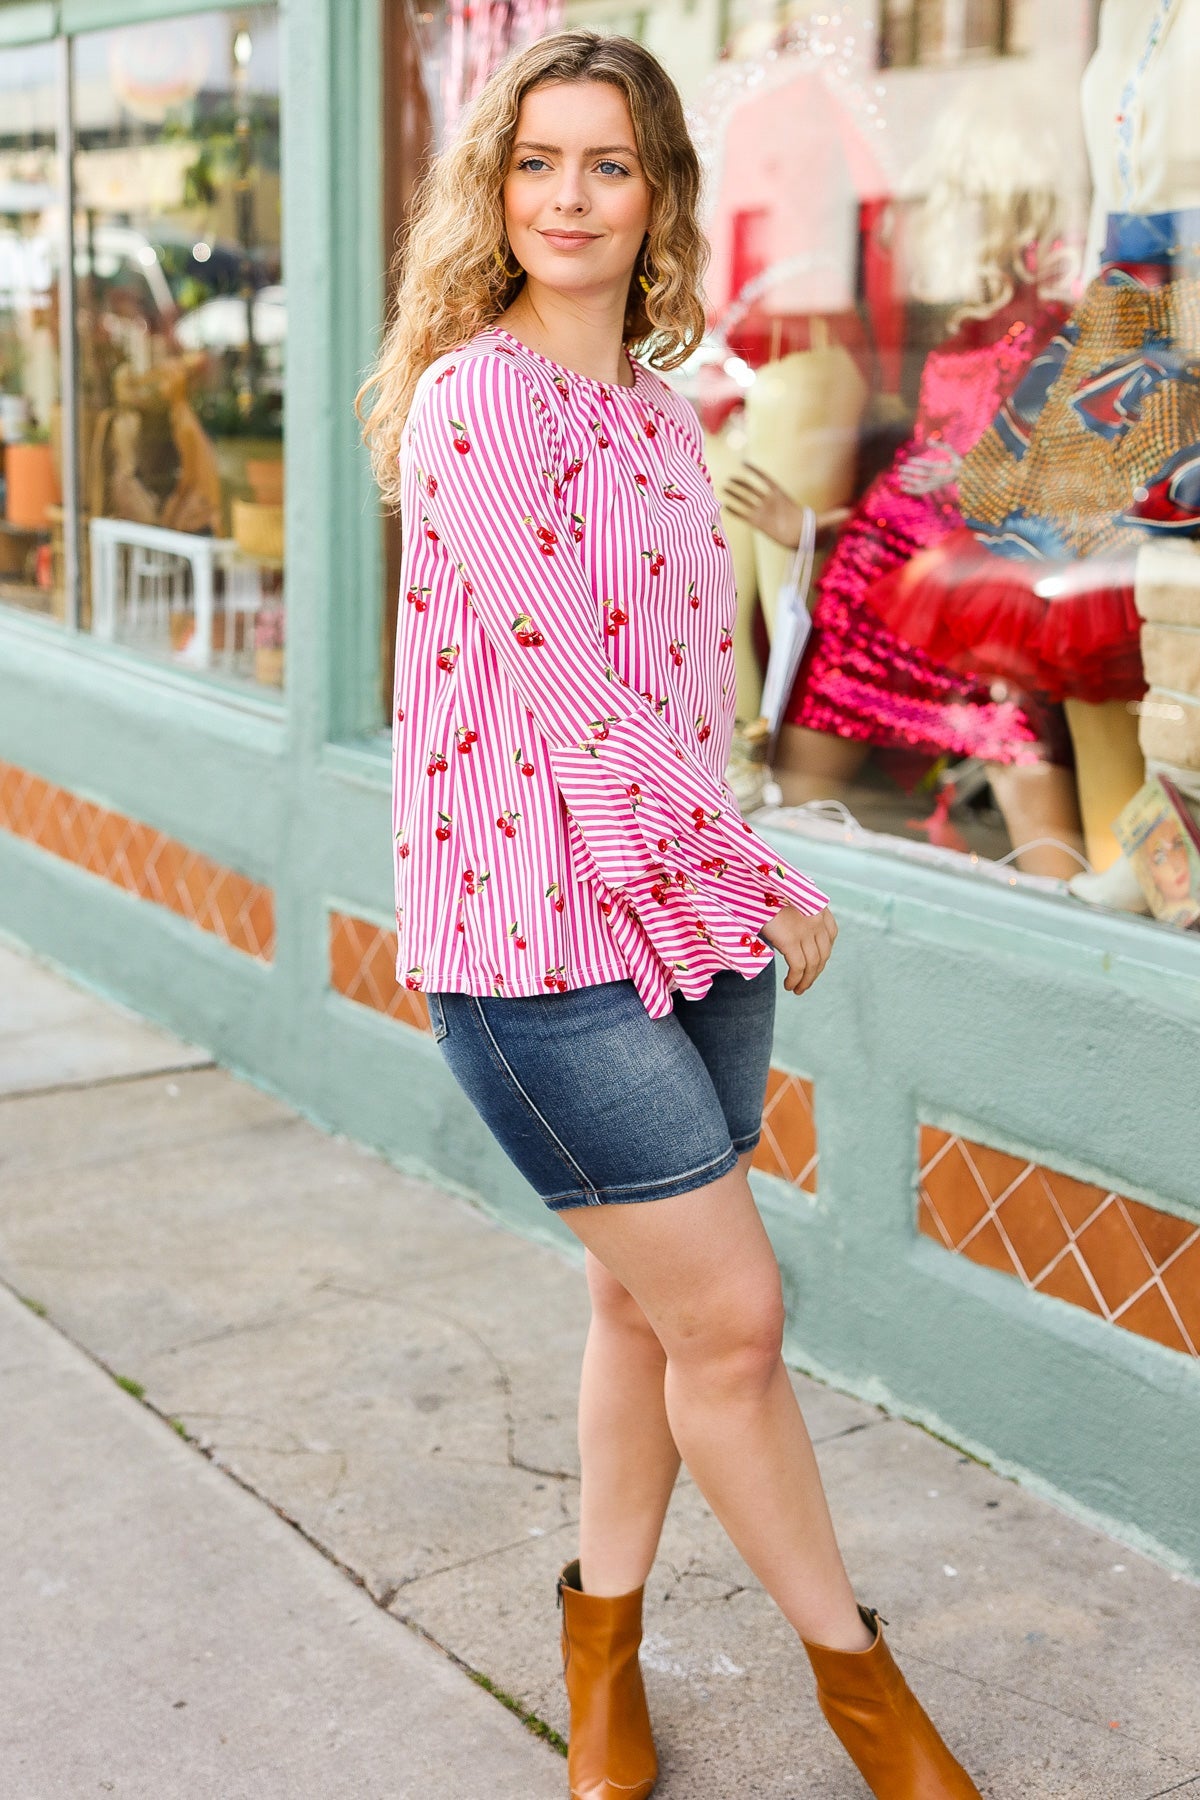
point(31, 521)
point(181, 322)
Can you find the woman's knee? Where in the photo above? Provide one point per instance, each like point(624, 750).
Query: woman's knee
point(735, 1340)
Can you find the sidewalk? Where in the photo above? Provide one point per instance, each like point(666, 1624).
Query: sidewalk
point(377, 1385)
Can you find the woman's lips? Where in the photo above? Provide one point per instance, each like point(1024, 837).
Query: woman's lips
point(568, 240)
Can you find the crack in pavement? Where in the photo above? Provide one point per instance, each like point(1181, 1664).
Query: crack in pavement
point(538, 1726)
point(86, 1084)
point(411, 1581)
point(1159, 1792)
point(1066, 1712)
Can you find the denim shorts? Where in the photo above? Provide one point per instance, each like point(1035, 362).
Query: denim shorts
point(597, 1103)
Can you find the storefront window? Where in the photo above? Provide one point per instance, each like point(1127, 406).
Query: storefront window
point(181, 332)
point(31, 517)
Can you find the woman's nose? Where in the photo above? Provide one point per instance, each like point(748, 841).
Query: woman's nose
point(570, 196)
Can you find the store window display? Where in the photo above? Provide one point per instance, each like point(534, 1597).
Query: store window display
point(991, 213)
point(31, 560)
point(172, 323)
point(1095, 460)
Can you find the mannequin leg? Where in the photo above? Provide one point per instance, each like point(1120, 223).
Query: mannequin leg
point(1039, 800)
point(1109, 768)
point(815, 765)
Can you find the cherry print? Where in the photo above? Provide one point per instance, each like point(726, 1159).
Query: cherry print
point(643, 481)
point(616, 618)
point(655, 560)
point(718, 540)
point(431, 485)
point(414, 977)
point(650, 428)
point(601, 440)
point(554, 894)
point(605, 907)
point(430, 533)
point(577, 524)
point(523, 763)
point(507, 823)
point(402, 849)
point(466, 737)
point(754, 945)
point(447, 656)
point(399, 715)
point(437, 763)
point(460, 926)
point(703, 729)
point(562, 385)
point(775, 900)
point(599, 727)
point(462, 442)
point(572, 469)
point(416, 598)
point(497, 982)
point(469, 880)
point(676, 649)
point(726, 642)
point(442, 834)
point(517, 936)
point(527, 634)
point(673, 492)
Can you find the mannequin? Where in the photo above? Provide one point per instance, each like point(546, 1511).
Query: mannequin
point(990, 205)
point(1089, 461)
point(802, 420)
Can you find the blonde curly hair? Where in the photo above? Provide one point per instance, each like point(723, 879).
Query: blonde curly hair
point(450, 274)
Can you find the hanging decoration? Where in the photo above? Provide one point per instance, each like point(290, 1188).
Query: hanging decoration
point(463, 41)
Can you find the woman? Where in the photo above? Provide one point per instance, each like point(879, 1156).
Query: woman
point(576, 895)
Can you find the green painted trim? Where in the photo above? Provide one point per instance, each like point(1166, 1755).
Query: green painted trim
point(78, 16)
point(27, 22)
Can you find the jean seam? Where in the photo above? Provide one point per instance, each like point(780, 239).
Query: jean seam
point(560, 1149)
point(630, 1192)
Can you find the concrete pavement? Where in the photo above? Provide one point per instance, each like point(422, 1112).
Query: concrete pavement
point(377, 1384)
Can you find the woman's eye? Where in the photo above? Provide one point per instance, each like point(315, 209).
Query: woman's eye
point(533, 163)
point(608, 167)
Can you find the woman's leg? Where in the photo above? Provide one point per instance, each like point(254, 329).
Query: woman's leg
point(627, 1456)
point(702, 1270)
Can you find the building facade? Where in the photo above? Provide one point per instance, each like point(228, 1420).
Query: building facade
point(979, 1164)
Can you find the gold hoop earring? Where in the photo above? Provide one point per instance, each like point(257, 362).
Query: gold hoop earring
point(644, 284)
point(502, 265)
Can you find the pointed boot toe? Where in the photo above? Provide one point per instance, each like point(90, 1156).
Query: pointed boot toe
point(610, 1748)
point(882, 1726)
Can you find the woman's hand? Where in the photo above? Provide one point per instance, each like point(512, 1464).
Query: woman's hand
point(804, 940)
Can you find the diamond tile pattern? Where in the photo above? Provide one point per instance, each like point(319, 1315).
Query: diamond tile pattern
point(362, 965)
point(1134, 1265)
point(141, 859)
point(788, 1146)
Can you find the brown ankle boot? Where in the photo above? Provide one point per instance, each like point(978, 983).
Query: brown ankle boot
point(882, 1725)
point(610, 1753)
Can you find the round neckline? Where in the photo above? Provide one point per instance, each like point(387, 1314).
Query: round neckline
point(606, 387)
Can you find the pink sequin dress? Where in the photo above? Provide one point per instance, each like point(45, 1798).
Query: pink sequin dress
point(858, 679)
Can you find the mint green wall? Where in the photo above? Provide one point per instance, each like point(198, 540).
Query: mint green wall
point(1025, 1021)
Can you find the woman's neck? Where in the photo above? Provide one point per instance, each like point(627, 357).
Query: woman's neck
point(584, 335)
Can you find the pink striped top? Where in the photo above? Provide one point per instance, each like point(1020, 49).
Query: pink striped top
point(565, 692)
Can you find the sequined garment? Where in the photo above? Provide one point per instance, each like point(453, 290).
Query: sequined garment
point(858, 679)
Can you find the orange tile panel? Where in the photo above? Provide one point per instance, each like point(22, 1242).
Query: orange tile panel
point(1134, 1265)
point(952, 1190)
point(788, 1145)
point(362, 966)
point(139, 859)
point(1034, 1231)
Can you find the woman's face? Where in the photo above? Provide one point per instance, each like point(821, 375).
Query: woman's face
point(576, 202)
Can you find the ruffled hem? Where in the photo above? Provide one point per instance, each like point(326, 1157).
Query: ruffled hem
point(980, 614)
